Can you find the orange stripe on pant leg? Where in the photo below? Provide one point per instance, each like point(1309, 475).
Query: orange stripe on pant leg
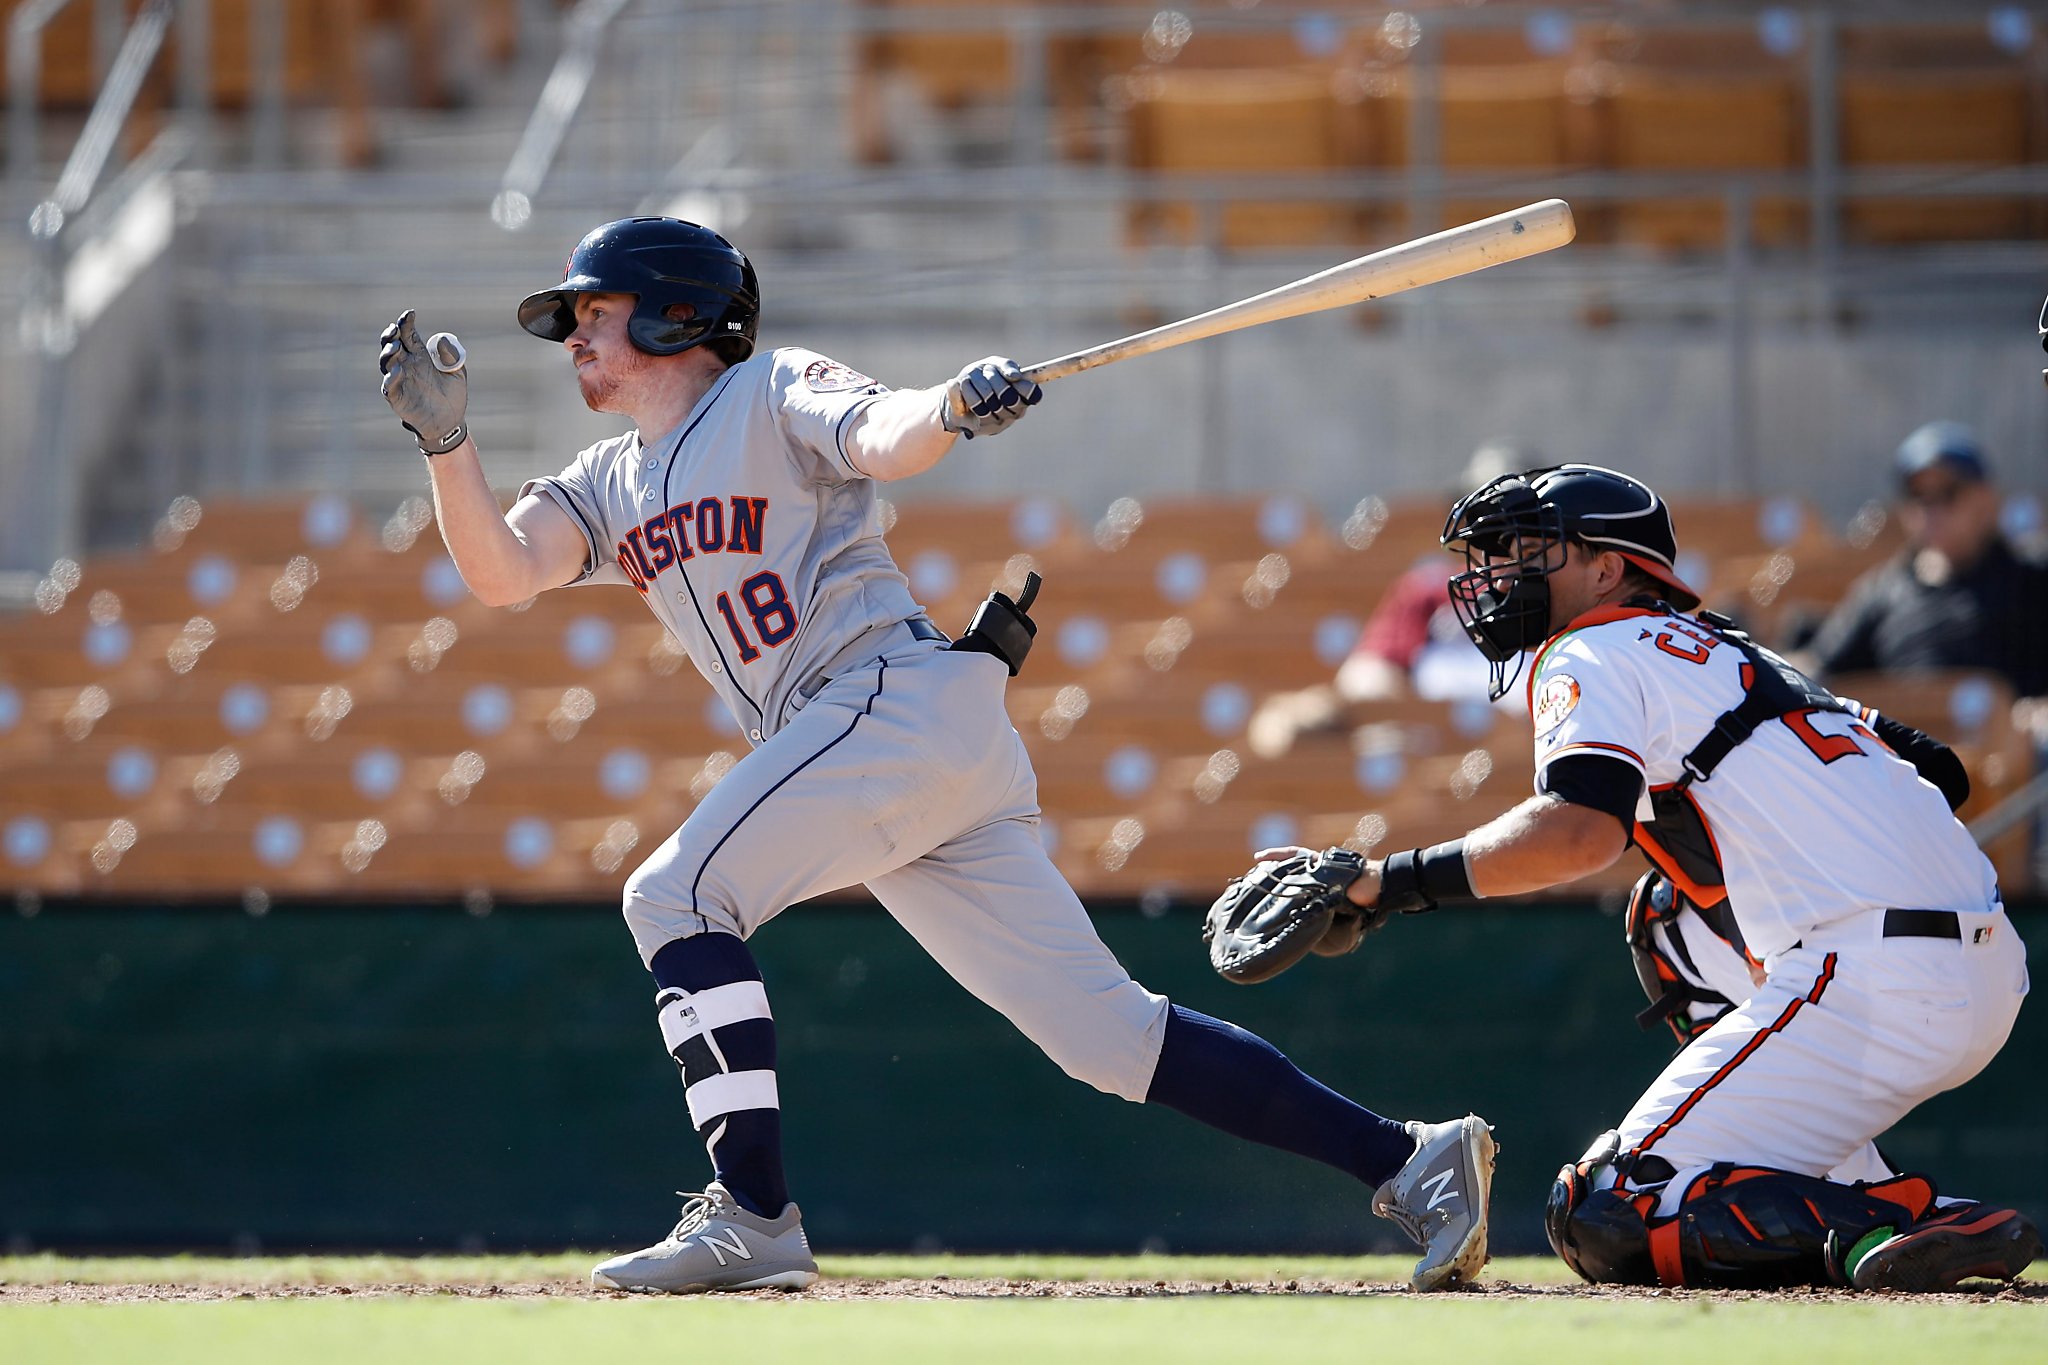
point(1820, 985)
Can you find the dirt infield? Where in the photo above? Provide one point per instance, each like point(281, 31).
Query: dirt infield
point(946, 1287)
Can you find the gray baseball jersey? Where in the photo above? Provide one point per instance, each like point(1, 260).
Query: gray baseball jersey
point(746, 529)
point(882, 758)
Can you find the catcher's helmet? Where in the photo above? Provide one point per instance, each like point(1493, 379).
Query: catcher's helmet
point(662, 262)
point(1513, 532)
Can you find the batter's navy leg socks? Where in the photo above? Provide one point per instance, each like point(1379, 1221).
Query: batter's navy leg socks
point(1235, 1080)
point(715, 1021)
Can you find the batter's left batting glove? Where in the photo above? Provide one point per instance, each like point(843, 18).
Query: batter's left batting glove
point(426, 384)
point(987, 397)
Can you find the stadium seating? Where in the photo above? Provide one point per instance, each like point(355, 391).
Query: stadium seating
point(531, 751)
point(69, 76)
point(1236, 122)
point(1688, 95)
point(325, 46)
point(1966, 117)
point(1508, 118)
point(1656, 119)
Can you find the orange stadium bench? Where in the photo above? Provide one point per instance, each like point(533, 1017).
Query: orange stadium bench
point(1236, 122)
point(69, 77)
point(1967, 117)
point(1508, 119)
point(1659, 119)
point(330, 704)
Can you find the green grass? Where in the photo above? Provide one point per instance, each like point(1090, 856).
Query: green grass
point(450, 1329)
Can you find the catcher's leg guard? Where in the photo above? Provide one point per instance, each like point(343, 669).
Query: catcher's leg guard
point(1725, 1226)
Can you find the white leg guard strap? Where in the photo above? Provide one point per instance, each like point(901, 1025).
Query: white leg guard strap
point(685, 1016)
point(728, 1091)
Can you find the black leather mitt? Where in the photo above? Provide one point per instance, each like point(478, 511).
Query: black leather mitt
point(1280, 912)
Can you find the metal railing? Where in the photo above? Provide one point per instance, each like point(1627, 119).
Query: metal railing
point(561, 99)
point(648, 100)
point(88, 159)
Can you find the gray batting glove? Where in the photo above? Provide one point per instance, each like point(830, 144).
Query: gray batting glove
point(987, 397)
point(426, 384)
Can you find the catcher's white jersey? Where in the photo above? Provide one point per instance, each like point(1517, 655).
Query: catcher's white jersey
point(1820, 831)
point(1813, 818)
point(746, 529)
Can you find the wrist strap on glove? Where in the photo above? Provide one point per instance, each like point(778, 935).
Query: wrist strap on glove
point(445, 444)
point(1419, 880)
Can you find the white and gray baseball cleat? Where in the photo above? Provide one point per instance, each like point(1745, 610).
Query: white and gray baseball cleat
point(1440, 1198)
point(717, 1245)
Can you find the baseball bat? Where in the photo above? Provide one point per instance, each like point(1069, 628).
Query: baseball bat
point(1445, 255)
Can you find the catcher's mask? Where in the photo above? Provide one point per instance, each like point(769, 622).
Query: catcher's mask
point(1515, 532)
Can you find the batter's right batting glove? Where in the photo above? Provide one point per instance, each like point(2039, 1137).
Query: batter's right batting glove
point(426, 384)
point(987, 397)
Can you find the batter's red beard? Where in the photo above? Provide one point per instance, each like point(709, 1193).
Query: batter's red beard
point(599, 393)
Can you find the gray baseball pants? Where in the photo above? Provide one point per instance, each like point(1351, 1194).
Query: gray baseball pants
point(904, 773)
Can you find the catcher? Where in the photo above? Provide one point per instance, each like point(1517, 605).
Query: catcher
point(1883, 967)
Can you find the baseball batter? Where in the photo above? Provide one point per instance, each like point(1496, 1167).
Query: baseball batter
point(742, 508)
point(1885, 968)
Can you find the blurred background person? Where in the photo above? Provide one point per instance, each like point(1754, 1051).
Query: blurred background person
point(1959, 594)
point(1411, 645)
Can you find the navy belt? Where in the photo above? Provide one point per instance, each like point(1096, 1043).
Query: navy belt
point(923, 629)
point(1922, 924)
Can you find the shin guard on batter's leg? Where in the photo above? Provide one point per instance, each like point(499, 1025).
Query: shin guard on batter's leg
point(1719, 1227)
point(716, 1024)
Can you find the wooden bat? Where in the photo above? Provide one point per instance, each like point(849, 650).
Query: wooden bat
point(1443, 255)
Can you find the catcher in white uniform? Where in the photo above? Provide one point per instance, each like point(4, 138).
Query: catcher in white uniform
point(742, 508)
point(1881, 966)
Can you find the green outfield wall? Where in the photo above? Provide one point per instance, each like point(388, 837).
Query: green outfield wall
point(425, 1078)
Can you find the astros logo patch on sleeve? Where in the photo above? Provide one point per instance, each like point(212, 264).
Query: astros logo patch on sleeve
point(829, 376)
point(1559, 696)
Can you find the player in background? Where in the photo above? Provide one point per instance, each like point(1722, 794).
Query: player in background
point(1889, 971)
point(742, 506)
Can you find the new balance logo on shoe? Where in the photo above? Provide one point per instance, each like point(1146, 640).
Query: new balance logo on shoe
point(1439, 1188)
point(718, 1248)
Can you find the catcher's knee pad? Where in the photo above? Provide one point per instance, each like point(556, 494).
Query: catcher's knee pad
point(1595, 1225)
point(1726, 1226)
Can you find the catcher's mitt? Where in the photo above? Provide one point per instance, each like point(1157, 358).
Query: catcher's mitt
point(1280, 912)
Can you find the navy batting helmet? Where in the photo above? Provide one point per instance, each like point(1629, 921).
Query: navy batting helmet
point(1514, 532)
point(662, 262)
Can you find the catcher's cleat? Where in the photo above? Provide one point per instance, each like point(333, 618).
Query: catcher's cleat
point(717, 1245)
point(1938, 1253)
point(1439, 1198)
